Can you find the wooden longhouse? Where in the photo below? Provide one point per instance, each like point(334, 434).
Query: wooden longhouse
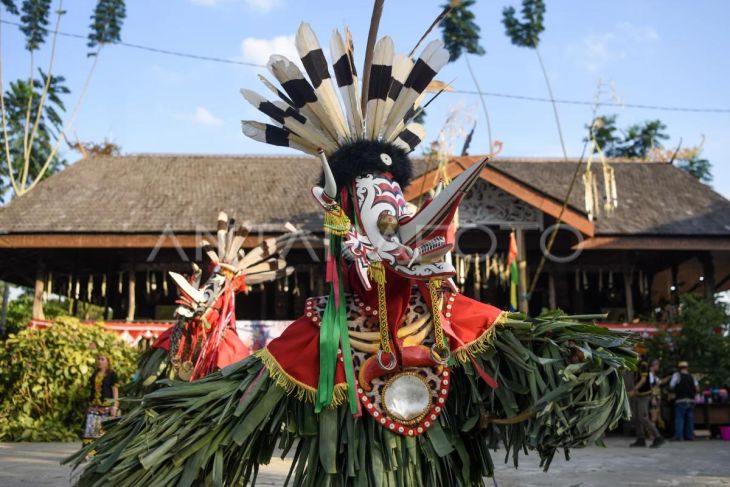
point(106, 230)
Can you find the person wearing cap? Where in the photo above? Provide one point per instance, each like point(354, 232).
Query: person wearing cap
point(685, 387)
point(643, 390)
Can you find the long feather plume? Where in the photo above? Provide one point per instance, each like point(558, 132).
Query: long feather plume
point(315, 64)
point(222, 233)
point(273, 135)
point(344, 67)
point(268, 276)
point(239, 236)
point(208, 249)
point(409, 138)
point(432, 59)
point(409, 116)
point(302, 94)
point(380, 74)
point(302, 132)
point(402, 65)
point(271, 86)
point(275, 112)
point(263, 251)
point(265, 266)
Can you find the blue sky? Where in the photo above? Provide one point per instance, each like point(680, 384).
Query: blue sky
point(668, 52)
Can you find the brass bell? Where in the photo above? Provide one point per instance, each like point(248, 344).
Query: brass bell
point(387, 224)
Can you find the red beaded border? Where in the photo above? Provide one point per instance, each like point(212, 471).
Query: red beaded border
point(420, 427)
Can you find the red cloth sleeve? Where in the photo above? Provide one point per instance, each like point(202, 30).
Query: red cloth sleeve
point(297, 353)
point(470, 318)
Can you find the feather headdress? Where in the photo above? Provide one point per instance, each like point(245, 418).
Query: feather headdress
point(308, 113)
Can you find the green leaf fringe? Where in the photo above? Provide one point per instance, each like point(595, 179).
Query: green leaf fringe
point(560, 382)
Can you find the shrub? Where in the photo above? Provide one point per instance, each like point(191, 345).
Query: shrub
point(703, 341)
point(20, 311)
point(44, 377)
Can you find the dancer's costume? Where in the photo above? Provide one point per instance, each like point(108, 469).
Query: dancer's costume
point(393, 378)
point(100, 408)
point(204, 337)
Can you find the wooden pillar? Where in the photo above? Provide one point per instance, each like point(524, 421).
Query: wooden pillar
point(708, 275)
point(131, 290)
point(552, 298)
point(628, 291)
point(40, 281)
point(4, 312)
point(106, 290)
point(522, 268)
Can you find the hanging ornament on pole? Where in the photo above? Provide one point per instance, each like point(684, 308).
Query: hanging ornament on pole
point(514, 275)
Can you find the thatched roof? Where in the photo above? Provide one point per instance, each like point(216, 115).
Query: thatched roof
point(653, 198)
point(184, 193)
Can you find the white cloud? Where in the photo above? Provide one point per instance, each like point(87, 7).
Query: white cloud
point(626, 40)
point(263, 6)
point(259, 50)
point(163, 74)
point(204, 117)
point(206, 3)
point(638, 33)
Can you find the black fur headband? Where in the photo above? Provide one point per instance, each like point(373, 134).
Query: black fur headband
point(364, 157)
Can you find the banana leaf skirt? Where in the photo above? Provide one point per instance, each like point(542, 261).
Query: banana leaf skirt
point(560, 387)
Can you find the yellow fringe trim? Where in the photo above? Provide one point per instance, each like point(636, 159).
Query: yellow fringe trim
point(336, 222)
point(481, 343)
point(291, 385)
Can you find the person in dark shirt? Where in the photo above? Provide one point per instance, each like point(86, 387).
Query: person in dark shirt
point(104, 398)
point(647, 382)
point(685, 387)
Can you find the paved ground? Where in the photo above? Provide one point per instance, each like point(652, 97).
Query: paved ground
point(703, 463)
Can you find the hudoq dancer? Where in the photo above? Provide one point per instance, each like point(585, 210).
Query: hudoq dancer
point(393, 378)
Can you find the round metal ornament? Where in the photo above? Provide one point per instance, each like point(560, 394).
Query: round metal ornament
point(406, 398)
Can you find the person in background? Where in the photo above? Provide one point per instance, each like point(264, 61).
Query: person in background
point(655, 403)
point(685, 388)
point(104, 399)
point(647, 382)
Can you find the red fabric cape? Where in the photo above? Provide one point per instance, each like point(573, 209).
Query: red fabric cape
point(230, 350)
point(297, 349)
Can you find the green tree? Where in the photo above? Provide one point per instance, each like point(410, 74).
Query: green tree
point(702, 340)
point(460, 34)
point(640, 138)
point(698, 167)
point(525, 33)
point(20, 311)
point(603, 130)
point(459, 30)
point(637, 141)
point(645, 141)
point(17, 98)
point(32, 128)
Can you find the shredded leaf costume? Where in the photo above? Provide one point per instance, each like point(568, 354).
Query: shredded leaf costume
point(393, 378)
